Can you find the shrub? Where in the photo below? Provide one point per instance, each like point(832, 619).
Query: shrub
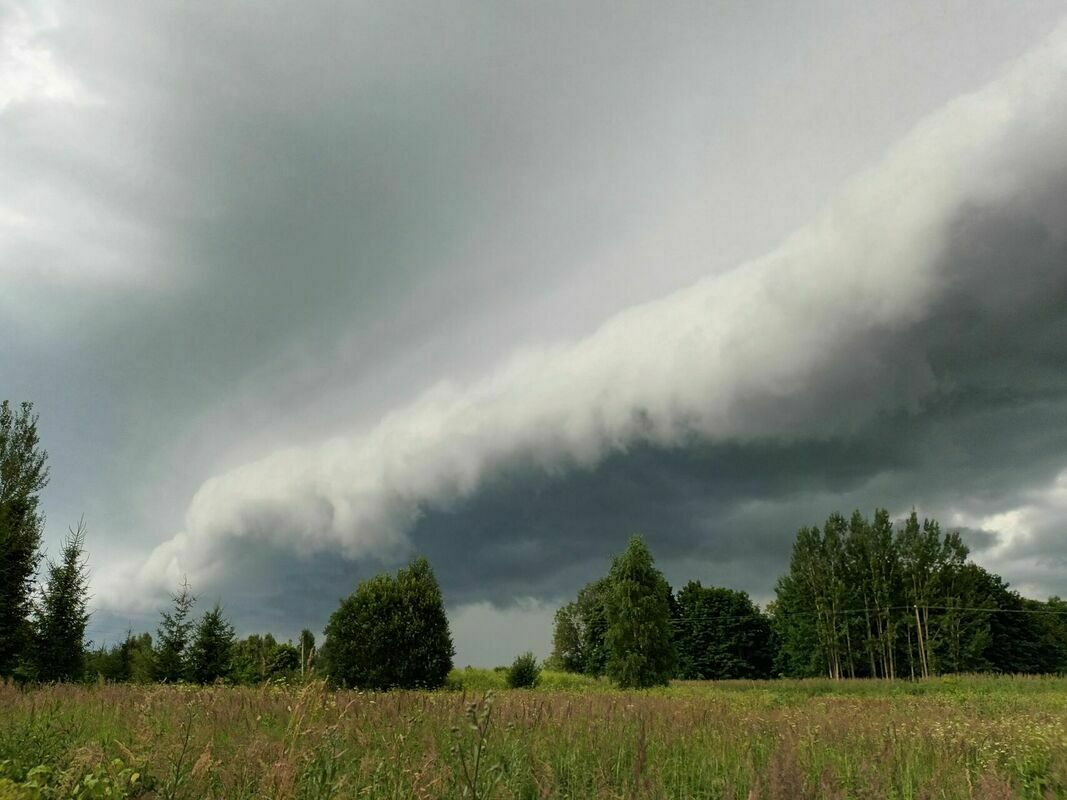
point(473, 679)
point(524, 672)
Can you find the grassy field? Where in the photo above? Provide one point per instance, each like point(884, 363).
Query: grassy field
point(969, 737)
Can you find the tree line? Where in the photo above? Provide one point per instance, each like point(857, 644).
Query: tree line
point(863, 598)
point(630, 626)
point(199, 650)
point(43, 618)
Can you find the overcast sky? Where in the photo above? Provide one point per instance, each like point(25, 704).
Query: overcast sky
point(300, 290)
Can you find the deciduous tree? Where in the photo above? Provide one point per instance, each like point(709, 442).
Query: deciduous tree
point(721, 634)
point(639, 638)
point(392, 632)
point(23, 474)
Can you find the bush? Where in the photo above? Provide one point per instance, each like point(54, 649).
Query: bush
point(559, 681)
point(524, 672)
point(475, 679)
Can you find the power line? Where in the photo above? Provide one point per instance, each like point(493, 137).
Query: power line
point(871, 611)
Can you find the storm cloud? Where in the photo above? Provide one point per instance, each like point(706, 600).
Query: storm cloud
point(301, 295)
point(938, 274)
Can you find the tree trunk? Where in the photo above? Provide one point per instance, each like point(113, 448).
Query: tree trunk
point(922, 645)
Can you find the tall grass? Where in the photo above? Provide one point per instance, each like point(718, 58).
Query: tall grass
point(977, 737)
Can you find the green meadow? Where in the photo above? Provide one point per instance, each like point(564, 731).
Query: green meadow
point(571, 737)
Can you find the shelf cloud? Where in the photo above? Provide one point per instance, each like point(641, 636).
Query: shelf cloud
point(856, 317)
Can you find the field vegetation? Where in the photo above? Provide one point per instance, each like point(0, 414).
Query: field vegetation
point(572, 737)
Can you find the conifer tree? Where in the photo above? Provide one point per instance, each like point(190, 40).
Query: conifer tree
point(62, 614)
point(211, 653)
point(172, 638)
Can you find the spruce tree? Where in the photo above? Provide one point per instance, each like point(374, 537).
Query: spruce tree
point(639, 638)
point(23, 475)
point(172, 638)
point(62, 614)
point(211, 653)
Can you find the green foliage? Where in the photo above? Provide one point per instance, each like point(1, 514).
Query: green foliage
point(862, 598)
point(211, 654)
point(392, 632)
point(286, 659)
point(132, 660)
point(473, 679)
point(9, 790)
point(23, 474)
point(172, 638)
point(580, 628)
point(524, 672)
point(1024, 636)
point(567, 639)
point(469, 749)
point(112, 780)
point(639, 637)
point(62, 614)
point(869, 599)
point(721, 634)
point(253, 660)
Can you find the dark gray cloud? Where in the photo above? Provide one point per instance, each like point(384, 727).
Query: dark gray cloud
point(227, 235)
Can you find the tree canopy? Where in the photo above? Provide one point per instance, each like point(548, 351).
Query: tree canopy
point(721, 634)
point(392, 632)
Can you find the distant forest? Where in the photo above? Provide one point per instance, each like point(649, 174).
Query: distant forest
point(863, 598)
